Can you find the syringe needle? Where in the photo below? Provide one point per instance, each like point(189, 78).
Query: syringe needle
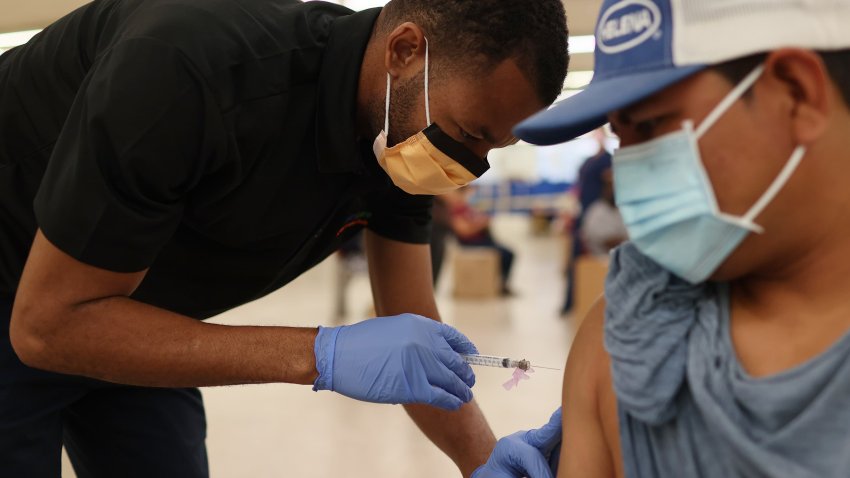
point(547, 368)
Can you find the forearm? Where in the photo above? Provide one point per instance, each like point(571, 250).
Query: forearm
point(463, 435)
point(401, 282)
point(120, 340)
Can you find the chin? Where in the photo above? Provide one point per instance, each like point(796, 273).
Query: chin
point(728, 272)
point(719, 277)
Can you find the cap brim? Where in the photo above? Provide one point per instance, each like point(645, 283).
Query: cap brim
point(589, 109)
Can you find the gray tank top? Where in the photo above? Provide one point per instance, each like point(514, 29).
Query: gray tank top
point(687, 408)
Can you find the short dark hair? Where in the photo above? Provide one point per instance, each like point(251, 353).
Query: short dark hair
point(837, 63)
point(486, 32)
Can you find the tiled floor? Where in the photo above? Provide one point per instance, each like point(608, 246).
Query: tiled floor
point(264, 431)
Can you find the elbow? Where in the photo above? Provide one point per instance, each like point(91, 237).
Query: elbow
point(29, 344)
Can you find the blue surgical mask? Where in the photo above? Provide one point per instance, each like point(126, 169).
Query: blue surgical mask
point(669, 206)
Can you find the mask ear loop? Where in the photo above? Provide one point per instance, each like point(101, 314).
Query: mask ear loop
point(707, 123)
point(427, 97)
point(387, 109)
point(730, 99)
point(776, 186)
point(747, 221)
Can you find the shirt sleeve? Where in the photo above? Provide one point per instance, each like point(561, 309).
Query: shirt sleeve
point(400, 216)
point(140, 135)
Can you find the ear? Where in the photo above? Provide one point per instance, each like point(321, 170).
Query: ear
point(404, 56)
point(805, 81)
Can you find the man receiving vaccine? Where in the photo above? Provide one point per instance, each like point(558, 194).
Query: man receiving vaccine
point(721, 348)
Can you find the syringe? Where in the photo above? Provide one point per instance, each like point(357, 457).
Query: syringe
point(500, 362)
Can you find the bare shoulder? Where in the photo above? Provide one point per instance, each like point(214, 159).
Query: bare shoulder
point(591, 446)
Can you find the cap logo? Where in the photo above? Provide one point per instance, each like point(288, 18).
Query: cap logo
point(627, 24)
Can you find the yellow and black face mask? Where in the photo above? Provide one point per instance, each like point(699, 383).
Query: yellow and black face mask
point(429, 162)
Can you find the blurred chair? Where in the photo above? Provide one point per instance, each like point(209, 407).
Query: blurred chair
point(590, 273)
point(476, 273)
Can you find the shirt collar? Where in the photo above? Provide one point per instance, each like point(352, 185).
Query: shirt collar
point(336, 128)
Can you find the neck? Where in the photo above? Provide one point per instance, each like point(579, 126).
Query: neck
point(809, 278)
point(813, 286)
point(781, 320)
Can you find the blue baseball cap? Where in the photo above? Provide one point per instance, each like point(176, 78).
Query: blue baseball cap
point(633, 60)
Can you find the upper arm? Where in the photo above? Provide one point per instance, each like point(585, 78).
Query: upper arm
point(590, 435)
point(131, 150)
point(399, 216)
point(400, 273)
point(53, 284)
point(399, 253)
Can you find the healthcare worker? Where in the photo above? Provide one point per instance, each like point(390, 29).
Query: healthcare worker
point(722, 349)
point(162, 161)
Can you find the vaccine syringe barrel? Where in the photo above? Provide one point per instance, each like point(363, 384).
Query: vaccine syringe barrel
point(495, 361)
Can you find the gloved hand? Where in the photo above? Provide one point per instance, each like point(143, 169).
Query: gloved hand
point(532, 454)
point(401, 359)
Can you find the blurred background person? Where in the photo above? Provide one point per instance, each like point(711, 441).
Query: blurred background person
point(588, 188)
point(603, 228)
point(471, 227)
point(350, 261)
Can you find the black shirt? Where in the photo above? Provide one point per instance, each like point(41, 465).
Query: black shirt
point(211, 141)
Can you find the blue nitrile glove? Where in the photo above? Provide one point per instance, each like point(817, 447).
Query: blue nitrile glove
point(401, 359)
point(534, 453)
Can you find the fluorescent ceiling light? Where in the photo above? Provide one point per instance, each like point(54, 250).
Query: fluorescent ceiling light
point(9, 40)
point(17, 38)
point(363, 4)
point(566, 94)
point(582, 44)
point(578, 79)
point(359, 4)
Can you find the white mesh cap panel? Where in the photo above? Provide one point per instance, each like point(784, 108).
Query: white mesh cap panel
point(713, 31)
